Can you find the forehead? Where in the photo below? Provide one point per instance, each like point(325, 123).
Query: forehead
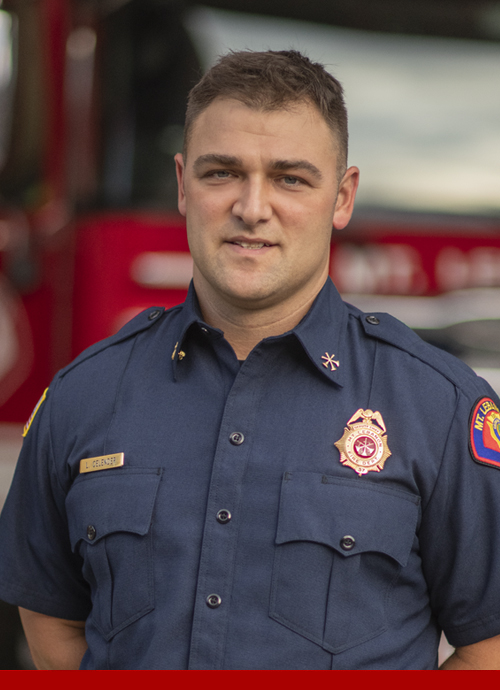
point(228, 122)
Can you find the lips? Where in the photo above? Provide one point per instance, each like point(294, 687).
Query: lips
point(250, 244)
point(253, 245)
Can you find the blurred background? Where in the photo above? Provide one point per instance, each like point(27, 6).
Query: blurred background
point(92, 100)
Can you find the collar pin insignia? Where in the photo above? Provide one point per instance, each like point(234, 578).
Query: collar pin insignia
point(363, 446)
point(330, 362)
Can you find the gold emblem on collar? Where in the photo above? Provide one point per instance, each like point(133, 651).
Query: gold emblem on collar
point(363, 446)
point(330, 362)
point(180, 355)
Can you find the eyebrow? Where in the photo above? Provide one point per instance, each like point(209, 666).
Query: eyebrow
point(297, 165)
point(216, 159)
point(234, 161)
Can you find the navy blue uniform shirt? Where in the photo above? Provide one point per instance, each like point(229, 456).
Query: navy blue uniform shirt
point(233, 537)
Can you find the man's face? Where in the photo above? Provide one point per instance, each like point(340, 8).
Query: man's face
point(260, 193)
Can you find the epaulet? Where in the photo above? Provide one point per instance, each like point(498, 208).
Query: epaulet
point(389, 329)
point(141, 322)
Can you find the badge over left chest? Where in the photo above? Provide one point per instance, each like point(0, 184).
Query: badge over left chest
point(363, 446)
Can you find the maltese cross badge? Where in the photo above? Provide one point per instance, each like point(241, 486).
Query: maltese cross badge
point(363, 446)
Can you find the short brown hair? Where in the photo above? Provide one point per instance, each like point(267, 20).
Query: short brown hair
point(271, 80)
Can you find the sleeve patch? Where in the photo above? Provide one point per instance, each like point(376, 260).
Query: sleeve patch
point(37, 407)
point(484, 435)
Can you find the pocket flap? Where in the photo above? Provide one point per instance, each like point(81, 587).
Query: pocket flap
point(117, 500)
point(326, 510)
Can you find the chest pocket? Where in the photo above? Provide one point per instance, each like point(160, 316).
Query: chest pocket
point(109, 517)
point(340, 547)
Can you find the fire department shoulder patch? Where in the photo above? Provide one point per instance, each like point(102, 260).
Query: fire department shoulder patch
point(37, 407)
point(484, 437)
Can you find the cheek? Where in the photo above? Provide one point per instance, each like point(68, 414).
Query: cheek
point(312, 230)
point(205, 203)
point(309, 211)
point(312, 242)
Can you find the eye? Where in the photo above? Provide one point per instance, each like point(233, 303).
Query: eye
point(220, 174)
point(291, 181)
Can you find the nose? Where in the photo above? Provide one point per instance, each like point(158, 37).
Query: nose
point(253, 204)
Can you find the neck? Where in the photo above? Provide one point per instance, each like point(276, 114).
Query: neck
point(244, 327)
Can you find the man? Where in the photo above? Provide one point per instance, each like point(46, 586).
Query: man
point(263, 477)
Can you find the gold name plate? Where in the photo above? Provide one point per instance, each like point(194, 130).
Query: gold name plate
point(102, 462)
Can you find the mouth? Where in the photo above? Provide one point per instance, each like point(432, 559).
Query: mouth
point(257, 244)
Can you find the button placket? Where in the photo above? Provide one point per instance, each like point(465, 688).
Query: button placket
point(217, 561)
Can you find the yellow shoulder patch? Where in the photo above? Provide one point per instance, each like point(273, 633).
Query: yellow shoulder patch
point(37, 407)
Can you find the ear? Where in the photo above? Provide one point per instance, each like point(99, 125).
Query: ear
point(179, 170)
point(345, 198)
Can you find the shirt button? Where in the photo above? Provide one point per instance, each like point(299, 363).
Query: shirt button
point(347, 542)
point(372, 320)
point(154, 314)
point(223, 516)
point(91, 532)
point(236, 438)
point(205, 330)
point(214, 601)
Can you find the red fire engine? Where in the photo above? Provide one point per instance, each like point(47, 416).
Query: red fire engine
point(91, 109)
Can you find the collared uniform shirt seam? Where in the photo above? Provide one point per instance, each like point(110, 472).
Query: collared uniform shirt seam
point(117, 394)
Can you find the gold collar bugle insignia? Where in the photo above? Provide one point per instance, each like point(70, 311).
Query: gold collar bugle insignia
point(363, 446)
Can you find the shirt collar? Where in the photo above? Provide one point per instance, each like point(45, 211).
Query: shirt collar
point(190, 314)
point(320, 332)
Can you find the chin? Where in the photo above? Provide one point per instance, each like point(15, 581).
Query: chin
point(254, 300)
point(247, 290)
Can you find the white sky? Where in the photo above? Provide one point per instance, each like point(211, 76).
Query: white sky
point(424, 113)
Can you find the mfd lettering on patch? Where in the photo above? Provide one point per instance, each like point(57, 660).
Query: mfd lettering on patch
point(484, 439)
